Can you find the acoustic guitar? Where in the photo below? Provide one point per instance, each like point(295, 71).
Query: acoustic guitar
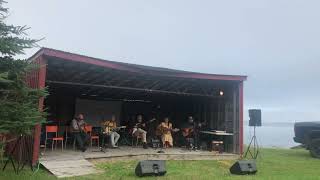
point(163, 130)
point(138, 125)
point(187, 132)
point(113, 129)
point(82, 129)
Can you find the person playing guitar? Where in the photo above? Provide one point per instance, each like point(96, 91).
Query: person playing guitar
point(139, 129)
point(78, 128)
point(165, 129)
point(110, 130)
point(188, 132)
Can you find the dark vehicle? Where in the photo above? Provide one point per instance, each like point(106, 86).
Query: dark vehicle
point(308, 134)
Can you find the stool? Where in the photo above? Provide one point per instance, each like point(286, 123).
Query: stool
point(217, 146)
point(138, 138)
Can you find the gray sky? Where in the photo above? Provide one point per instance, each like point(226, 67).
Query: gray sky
point(276, 43)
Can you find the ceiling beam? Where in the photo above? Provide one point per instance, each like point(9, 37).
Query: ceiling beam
point(128, 88)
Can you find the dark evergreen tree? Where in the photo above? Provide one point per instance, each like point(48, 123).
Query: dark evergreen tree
point(19, 111)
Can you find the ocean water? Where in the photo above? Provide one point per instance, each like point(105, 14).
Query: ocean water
point(272, 135)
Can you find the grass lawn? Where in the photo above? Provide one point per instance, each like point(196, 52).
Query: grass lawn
point(272, 164)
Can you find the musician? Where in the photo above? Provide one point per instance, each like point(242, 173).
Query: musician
point(190, 126)
point(139, 130)
point(166, 136)
point(110, 125)
point(81, 137)
point(152, 125)
point(188, 131)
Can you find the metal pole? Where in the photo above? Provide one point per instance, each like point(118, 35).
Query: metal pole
point(254, 141)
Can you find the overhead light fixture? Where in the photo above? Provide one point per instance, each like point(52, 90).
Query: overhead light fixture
point(221, 93)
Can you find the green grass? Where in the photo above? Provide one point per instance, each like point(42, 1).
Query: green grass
point(272, 164)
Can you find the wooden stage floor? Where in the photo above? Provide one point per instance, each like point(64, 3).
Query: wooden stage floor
point(68, 163)
point(136, 153)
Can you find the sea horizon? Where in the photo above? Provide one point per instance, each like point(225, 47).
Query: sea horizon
point(272, 134)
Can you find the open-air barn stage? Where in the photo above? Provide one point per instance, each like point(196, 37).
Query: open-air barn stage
point(100, 89)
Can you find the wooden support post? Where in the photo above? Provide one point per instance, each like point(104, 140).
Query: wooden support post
point(37, 129)
point(241, 117)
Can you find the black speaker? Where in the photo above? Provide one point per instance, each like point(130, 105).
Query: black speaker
point(151, 168)
point(244, 167)
point(255, 117)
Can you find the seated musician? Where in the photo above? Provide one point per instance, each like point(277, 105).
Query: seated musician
point(139, 130)
point(110, 126)
point(166, 136)
point(81, 137)
point(188, 132)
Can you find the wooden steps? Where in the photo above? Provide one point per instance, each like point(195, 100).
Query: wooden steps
point(62, 168)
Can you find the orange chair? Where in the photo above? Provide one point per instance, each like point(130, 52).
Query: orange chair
point(67, 135)
point(88, 129)
point(55, 139)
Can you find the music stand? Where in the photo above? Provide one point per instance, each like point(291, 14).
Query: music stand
point(124, 140)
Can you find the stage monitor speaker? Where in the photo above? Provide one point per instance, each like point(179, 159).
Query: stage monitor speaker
point(244, 167)
point(151, 168)
point(255, 117)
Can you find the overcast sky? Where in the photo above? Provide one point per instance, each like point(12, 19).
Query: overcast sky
point(275, 42)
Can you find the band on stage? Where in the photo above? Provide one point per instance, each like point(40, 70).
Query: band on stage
point(187, 135)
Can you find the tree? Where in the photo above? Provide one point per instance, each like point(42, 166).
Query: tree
point(19, 111)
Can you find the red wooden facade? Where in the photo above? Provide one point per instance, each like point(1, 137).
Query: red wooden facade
point(36, 79)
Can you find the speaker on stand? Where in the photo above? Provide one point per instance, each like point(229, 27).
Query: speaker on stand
point(255, 120)
point(248, 167)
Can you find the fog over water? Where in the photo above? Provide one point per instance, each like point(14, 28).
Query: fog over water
point(272, 135)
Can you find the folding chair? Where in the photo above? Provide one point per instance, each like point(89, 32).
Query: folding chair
point(88, 129)
point(67, 135)
point(55, 139)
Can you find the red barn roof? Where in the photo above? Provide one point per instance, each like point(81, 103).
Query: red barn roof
point(133, 67)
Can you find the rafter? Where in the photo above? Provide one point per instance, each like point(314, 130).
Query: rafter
point(128, 88)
